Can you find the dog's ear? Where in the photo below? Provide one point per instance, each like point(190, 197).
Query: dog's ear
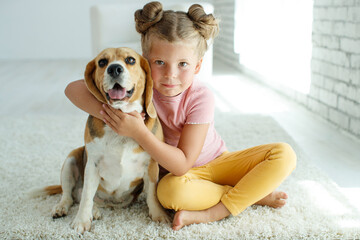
point(149, 106)
point(90, 81)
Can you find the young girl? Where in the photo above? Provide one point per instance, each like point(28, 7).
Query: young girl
point(205, 182)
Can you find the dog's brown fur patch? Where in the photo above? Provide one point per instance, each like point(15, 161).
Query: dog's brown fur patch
point(94, 128)
point(52, 190)
point(136, 182)
point(138, 150)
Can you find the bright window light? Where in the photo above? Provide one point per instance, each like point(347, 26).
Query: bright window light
point(273, 39)
point(324, 199)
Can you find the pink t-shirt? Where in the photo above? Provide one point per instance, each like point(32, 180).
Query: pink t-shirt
point(195, 105)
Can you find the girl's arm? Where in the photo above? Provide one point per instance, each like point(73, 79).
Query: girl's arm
point(80, 96)
point(177, 160)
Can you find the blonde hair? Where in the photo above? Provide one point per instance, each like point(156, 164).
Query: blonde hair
point(195, 25)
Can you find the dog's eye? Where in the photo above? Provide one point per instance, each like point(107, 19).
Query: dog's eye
point(103, 62)
point(130, 60)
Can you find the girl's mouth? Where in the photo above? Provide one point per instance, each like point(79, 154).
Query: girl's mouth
point(169, 85)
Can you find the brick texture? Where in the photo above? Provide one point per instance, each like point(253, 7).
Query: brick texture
point(335, 65)
point(224, 44)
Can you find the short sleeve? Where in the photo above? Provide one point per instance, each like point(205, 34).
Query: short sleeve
point(201, 107)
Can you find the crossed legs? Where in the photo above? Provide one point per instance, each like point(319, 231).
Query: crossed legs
point(228, 184)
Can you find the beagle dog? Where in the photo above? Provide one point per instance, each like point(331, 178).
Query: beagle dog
point(112, 169)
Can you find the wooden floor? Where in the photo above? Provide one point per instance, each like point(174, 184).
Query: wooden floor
point(36, 87)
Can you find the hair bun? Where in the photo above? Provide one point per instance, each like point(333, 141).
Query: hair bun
point(148, 16)
point(206, 24)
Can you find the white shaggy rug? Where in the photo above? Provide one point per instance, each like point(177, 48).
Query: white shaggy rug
point(32, 149)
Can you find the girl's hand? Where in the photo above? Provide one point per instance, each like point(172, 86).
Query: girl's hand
point(124, 124)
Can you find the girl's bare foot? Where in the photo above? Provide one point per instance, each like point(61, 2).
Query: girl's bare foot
point(183, 218)
point(274, 199)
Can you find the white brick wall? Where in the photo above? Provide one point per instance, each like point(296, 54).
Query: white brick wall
point(224, 44)
point(335, 65)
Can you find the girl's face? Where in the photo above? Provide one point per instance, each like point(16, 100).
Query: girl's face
point(173, 66)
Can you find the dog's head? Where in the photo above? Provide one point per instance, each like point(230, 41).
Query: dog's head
point(121, 78)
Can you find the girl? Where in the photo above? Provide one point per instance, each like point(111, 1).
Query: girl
point(205, 182)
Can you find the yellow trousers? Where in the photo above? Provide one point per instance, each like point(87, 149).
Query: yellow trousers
point(237, 179)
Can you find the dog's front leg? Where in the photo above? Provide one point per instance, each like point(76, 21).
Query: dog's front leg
point(83, 219)
point(156, 211)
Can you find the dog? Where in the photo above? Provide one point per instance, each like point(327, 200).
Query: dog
point(112, 168)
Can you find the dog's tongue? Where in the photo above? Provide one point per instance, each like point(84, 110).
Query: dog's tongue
point(117, 93)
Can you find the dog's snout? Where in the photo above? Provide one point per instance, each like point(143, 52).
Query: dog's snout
point(115, 70)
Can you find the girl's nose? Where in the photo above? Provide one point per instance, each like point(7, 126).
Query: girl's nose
point(171, 71)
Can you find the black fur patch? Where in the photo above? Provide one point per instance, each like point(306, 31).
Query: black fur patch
point(138, 189)
point(155, 127)
point(93, 130)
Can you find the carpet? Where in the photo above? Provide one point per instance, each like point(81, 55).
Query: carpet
point(33, 148)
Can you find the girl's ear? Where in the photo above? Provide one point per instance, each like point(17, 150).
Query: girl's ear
point(198, 66)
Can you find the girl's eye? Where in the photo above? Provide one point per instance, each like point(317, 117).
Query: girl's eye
point(159, 62)
point(183, 64)
point(103, 62)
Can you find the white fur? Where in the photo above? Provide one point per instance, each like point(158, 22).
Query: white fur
point(68, 181)
point(112, 164)
point(116, 162)
point(128, 107)
point(156, 211)
point(124, 78)
point(109, 164)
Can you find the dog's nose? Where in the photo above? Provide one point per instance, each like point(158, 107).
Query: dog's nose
point(114, 70)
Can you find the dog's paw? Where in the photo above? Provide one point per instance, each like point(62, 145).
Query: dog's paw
point(81, 225)
point(96, 213)
point(161, 219)
point(60, 210)
point(160, 216)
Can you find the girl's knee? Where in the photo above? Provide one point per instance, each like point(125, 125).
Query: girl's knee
point(170, 191)
point(287, 155)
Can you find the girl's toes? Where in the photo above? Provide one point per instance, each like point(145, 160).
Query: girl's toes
point(279, 203)
point(283, 195)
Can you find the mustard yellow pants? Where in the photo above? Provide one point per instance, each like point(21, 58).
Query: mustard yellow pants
point(237, 179)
